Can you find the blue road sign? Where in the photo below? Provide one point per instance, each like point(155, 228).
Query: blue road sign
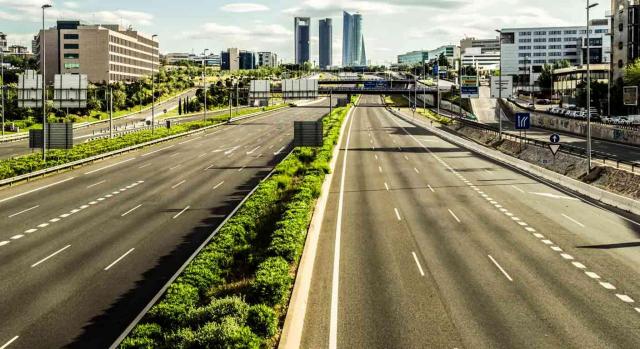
point(523, 121)
point(435, 69)
point(555, 138)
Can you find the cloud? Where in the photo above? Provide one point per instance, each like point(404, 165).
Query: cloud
point(244, 8)
point(71, 4)
point(261, 32)
point(319, 8)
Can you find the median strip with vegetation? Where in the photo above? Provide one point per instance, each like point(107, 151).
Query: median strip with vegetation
point(33, 162)
point(234, 293)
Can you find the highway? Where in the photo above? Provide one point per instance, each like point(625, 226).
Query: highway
point(18, 148)
point(84, 251)
point(427, 245)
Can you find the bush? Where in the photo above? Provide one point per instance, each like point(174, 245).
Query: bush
point(228, 307)
point(263, 320)
point(272, 281)
point(226, 334)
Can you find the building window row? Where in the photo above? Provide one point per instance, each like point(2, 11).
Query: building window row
point(71, 36)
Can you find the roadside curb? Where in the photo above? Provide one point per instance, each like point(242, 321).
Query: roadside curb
point(291, 336)
point(595, 193)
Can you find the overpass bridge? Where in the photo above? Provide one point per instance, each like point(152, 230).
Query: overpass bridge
point(345, 90)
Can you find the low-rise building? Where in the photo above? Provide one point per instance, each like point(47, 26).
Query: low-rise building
point(267, 59)
point(483, 61)
point(567, 80)
point(104, 52)
point(413, 57)
point(485, 45)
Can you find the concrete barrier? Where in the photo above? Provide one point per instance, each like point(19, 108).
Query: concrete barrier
point(609, 198)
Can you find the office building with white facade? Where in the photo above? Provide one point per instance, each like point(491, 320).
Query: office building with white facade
point(483, 61)
point(525, 51)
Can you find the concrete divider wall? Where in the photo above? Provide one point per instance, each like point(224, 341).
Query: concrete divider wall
point(605, 132)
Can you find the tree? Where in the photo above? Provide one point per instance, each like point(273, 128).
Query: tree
point(180, 106)
point(443, 61)
point(469, 70)
point(561, 64)
point(546, 78)
point(632, 74)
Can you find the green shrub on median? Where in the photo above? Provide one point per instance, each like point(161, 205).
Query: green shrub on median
point(235, 292)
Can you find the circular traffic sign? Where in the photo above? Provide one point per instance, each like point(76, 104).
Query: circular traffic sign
point(555, 138)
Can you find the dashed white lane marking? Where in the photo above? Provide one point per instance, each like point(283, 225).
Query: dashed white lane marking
point(547, 242)
point(16, 237)
point(573, 220)
point(35, 190)
point(31, 231)
point(607, 285)
point(637, 309)
point(159, 150)
point(218, 185)
point(579, 265)
point(93, 203)
point(557, 249)
point(242, 168)
point(406, 158)
point(95, 184)
point(376, 157)
point(109, 166)
point(454, 216)
point(9, 342)
point(176, 166)
point(518, 189)
point(143, 166)
point(24, 211)
point(380, 169)
point(397, 214)
point(54, 220)
point(190, 140)
point(2, 243)
point(539, 236)
point(386, 186)
point(43, 225)
point(415, 258)
point(254, 150)
point(529, 229)
point(501, 269)
point(49, 256)
point(430, 188)
point(592, 275)
point(567, 256)
point(131, 210)
point(181, 212)
point(118, 260)
point(417, 171)
point(625, 298)
point(178, 184)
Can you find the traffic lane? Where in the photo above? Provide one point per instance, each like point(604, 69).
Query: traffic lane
point(567, 299)
point(379, 282)
point(96, 173)
point(161, 225)
point(110, 237)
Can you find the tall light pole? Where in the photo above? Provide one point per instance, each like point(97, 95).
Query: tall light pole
point(153, 86)
point(204, 82)
point(589, 7)
point(500, 86)
point(44, 87)
point(2, 86)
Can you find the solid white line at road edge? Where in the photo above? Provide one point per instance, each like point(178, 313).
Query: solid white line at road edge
point(131, 210)
point(454, 216)
point(9, 342)
point(418, 263)
point(119, 259)
point(501, 269)
point(573, 220)
point(49, 256)
point(35, 190)
point(333, 320)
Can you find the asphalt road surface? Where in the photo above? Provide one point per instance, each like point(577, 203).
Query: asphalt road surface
point(18, 148)
point(427, 245)
point(81, 253)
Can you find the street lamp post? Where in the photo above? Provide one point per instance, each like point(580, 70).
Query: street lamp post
point(153, 86)
point(2, 86)
point(500, 86)
point(589, 7)
point(44, 87)
point(204, 82)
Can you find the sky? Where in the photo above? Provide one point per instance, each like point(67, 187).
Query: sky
point(391, 27)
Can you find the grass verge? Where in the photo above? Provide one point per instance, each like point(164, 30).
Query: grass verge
point(234, 294)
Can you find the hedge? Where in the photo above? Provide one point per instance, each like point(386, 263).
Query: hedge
point(235, 291)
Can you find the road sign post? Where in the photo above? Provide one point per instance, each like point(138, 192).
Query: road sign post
point(554, 146)
point(523, 123)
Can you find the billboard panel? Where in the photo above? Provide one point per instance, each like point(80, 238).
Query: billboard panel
point(300, 89)
point(70, 91)
point(30, 90)
point(630, 95)
point(259, 90)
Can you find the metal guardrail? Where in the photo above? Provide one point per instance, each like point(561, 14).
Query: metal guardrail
point(92, 159)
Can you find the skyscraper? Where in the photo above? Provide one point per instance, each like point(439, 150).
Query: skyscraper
point(302, 39)
point(326, 43)
point(353, 49)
